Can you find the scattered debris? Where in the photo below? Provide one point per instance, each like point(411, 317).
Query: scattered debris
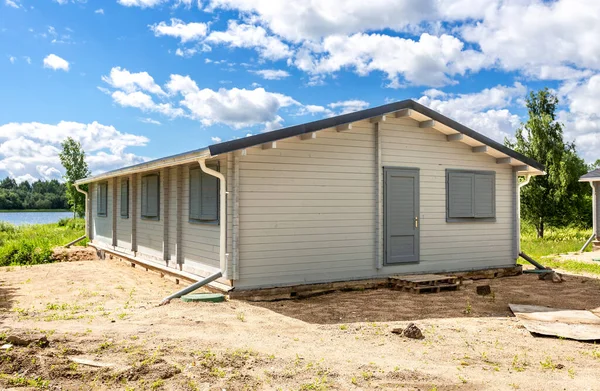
point(551, 275)
point(92, 363)
point(484, 290)
point(411, 331)
point(6, 346)
point(467, 282)
point(73, 254)
point(420, 283)
point(26, 340)
point(581, 325)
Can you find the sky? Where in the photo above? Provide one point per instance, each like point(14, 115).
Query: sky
point(134, 80)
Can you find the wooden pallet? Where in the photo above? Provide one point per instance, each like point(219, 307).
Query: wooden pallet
point(425, 283)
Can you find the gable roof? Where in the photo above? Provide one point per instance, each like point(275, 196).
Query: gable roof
point(309, 127)
point(593, 175)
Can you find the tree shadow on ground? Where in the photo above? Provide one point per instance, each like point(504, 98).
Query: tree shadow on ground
point(7, 294)
point(386, 305)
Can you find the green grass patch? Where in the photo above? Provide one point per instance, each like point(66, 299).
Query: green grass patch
point(557, 241)
point(33, 244)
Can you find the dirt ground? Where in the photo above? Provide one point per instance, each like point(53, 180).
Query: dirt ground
point(105, 311)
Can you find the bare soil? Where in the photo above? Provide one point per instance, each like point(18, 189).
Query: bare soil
point(106, 312)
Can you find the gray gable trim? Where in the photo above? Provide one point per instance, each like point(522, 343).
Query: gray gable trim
point(309, 127)
point(595, 174)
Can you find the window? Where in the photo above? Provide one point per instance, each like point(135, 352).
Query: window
point(204, 196)
point(102, 202)
point(125, 198)
point(150, 197)
point(470, 195)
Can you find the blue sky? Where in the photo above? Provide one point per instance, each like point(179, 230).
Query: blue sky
point(139, 79)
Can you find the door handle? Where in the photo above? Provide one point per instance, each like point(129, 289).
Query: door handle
point(416, 221)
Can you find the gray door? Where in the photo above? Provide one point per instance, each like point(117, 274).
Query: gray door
point(401, 215)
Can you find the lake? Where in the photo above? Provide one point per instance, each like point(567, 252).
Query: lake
point(21, 218)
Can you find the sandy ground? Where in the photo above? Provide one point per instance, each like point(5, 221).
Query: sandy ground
point(106, 311)
point(582, 257)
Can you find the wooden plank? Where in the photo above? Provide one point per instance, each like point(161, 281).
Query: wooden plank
point(574, 324)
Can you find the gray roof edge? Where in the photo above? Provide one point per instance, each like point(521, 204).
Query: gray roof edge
point(296, 130)
point(594, 174)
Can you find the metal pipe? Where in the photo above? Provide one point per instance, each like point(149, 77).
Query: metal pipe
point(588, 242)
point(191, 288)
point(87, 196)
point(533, 262)
point(74, 241)
point(222, 215)
point(594, 211)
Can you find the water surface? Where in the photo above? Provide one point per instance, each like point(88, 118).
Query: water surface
point(21, 218)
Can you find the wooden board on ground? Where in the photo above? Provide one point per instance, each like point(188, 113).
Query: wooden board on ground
point(582, 325)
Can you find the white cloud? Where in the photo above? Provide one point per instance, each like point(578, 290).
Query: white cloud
point(150, 121)
point(131, 82)
point(145, 103)
point(54, 62)
point(582, 120)
point(12, 59)
point(545, 38)
point(272, 74)
point(27, 59)
point(216, 139)
point(13, 3)
point(483, 111)
point(141, 3)
point(30, 150)
point(299, 20)
point(251, 37)
point(178, 29)
point(429, 61)
point(348, 106)
point(99, 11)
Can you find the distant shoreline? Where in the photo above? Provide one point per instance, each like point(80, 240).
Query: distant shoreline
point(33, 210)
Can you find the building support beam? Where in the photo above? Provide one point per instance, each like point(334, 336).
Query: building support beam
point(480, 149)
point(520, 168)
point(403, 113)
point(179, 213)
point(164, 175)
point(134, 212)
point(379, 118)
point(378, 198)
point(344, 127)
point(272, 145)
point(308, 136)
point(114, 211)
point(427, 124)
point(455, 137)
point(504, 160)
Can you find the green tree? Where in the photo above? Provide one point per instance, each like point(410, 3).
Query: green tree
point(557, 198)
point(72, 158)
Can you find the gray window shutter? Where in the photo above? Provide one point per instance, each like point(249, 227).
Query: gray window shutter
point(104, 198)
point(144, 196)
point(125, 198)
point(152, 200)
point(485, 195)
point(99, 199)
point(210, 197)
point(204, 195)
point(460, 195)
point(195, 194)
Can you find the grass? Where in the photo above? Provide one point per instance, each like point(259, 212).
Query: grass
point(33, 244)
point(557, 241)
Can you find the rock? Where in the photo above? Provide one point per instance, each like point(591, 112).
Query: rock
point(466, 282)
point(412, 331)
point(6, 346)
point(398, 330)
point(26, 340)
point(484, 290)
point(559, 366)
point(551, 276)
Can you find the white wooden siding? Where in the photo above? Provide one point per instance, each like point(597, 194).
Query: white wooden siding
point(307, 208)
point(123, 224)
point(200, 241)
point(597, 217)
point(101, 226)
